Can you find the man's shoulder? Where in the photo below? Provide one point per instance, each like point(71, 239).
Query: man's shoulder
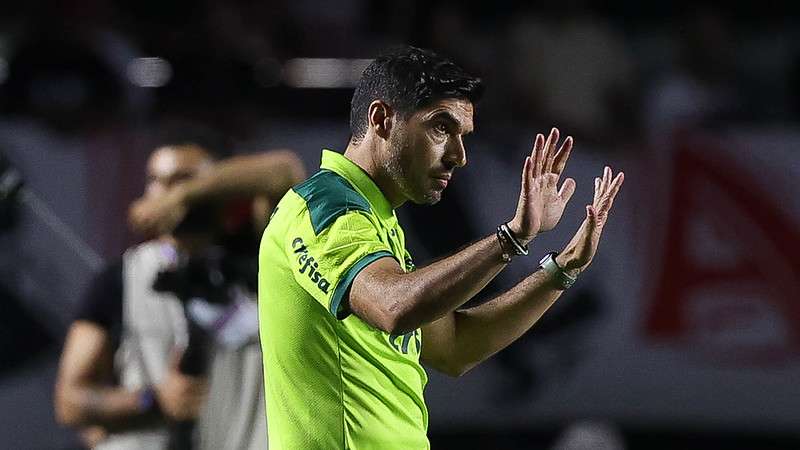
point(328, 196)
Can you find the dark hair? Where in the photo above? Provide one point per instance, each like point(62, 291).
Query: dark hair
point(407, 79)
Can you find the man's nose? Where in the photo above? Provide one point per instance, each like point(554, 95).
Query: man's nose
point(456, 154)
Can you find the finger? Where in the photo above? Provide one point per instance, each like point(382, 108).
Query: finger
point(567, 189)
point(612, 192)
point(538, 161)
point(547, 144)
point(551, 150)
point(538, 143)
point(549, 140)
point(526, 174)
point(603, 207)
point(596, 190)
point(562, 156)
point(606, 178)
point(605, 183)
point(616, 184)
point(552, 141)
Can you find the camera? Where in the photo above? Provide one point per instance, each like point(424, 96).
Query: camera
point(211, 283)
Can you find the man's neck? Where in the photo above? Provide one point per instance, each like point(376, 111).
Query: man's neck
point(366, 155)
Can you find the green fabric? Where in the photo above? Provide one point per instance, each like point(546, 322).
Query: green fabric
point(332, 381)
point(327, 197)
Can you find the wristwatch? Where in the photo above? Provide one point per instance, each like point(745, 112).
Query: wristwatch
point(550, 266)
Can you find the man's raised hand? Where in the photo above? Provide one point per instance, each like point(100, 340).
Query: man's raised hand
point(583, 246)
point(541, 203)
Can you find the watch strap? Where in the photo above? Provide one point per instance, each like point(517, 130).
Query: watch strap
point(550, 266)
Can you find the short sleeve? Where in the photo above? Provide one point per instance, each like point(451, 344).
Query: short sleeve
point(102, 303)
point(326, 264)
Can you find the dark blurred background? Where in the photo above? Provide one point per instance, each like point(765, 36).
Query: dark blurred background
point(685, 332)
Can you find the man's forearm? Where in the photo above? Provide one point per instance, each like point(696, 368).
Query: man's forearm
point(91, 405)
point(416, 298)
point(484, 330)
point(269, 174)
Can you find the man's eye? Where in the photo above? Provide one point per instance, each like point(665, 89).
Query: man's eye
point(441, 128)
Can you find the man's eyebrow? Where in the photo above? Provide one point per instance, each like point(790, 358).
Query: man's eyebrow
point(449, 117)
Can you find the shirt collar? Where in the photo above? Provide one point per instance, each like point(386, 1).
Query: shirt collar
point(351, 172)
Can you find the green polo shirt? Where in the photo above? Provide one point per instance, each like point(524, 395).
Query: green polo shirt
point(332, 381)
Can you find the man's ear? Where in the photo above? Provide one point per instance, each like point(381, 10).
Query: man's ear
point(381, 118)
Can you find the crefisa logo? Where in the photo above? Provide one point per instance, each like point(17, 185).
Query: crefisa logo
point(309, 266)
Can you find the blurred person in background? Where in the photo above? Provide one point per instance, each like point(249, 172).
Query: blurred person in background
point(343, 311)
point(166, 337)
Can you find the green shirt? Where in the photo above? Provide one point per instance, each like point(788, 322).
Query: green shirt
point(333, 381)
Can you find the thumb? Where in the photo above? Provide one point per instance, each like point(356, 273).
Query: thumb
point(567, 189)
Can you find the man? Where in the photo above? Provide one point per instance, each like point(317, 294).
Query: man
point(120, 380)
point(345, 319)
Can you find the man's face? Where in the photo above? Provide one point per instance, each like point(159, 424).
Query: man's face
point(171, 165)
point(425, 149)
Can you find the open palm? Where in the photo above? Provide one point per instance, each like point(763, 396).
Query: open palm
point(581, 249)
point(541, 202)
